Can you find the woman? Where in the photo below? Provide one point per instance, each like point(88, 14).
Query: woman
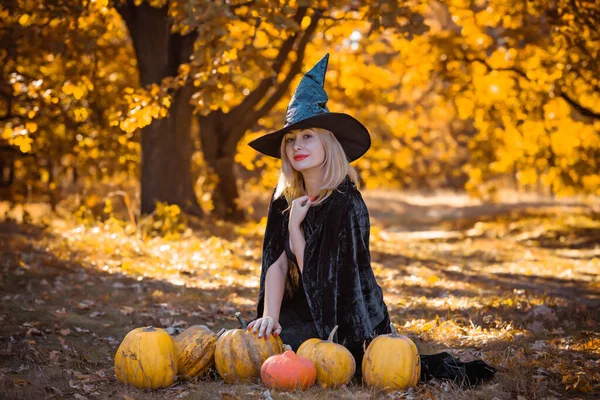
point(316, 267)
point(327, 210)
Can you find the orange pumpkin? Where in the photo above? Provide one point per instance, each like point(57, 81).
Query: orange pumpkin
point(146, 359)
point(195, 351)
point(391, 362)
point(334, 363)
point(240, 353)
point(288, 371)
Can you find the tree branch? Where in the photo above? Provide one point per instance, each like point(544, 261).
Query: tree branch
point(235, 6)
point(263, 87)
point(282, 88)
point(583, 110)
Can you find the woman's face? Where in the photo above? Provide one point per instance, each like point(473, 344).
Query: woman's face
point(304, 149)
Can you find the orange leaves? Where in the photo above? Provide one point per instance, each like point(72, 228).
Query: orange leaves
point(556, 109)
point(493, 87)
point(23, 142)
point(483, 88)
point(25, 20)
point(465, 106)
point(31, 127)
point(527, 176)
point(261, 40)
point(577, 382)
point(71, 89)
point(142, 106)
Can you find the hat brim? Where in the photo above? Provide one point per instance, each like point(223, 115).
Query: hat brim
point(352, 135)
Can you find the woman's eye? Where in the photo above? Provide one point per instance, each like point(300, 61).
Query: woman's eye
point(307, 136)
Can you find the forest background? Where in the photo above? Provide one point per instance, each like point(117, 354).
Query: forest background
point(123, 137)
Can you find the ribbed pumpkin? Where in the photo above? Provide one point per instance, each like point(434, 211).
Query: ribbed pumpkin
point(335, 364)
point(195, 351)
point(146, 359)
point(240, 353)
point(288, 371)
point(391, 362)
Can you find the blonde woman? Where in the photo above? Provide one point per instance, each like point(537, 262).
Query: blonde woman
point(316, 269)
point(316, 266)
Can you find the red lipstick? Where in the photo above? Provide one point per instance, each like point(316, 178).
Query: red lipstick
point(300, 157)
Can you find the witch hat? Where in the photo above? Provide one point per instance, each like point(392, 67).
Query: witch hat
point(307, 109)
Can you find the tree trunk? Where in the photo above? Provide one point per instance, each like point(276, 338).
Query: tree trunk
point(167, 147)
point(166, 159)
point(220, 133)
point(219, 154)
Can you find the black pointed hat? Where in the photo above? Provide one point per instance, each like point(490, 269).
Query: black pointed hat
point(307, 109)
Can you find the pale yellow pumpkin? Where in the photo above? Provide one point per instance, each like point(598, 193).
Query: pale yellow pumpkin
point(195, 351)
point(146, 359)
point(391, 362)
point(240, 353)
point(335, 364)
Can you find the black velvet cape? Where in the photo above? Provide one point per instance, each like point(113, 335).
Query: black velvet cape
point(339, 283)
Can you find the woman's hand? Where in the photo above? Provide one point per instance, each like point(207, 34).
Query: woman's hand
point(265, 326)
point(299, 209)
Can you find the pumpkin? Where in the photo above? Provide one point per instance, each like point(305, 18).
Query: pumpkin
point(195, 351)
point(334, 363)
point(146, 359)
point(288, 371)
point(240, 353)
point(391, 362)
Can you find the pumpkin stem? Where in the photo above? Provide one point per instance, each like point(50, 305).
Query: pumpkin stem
point(238, 315)
point(222, 331)
point(149, 328)
point(333, 331)
point(394, 330)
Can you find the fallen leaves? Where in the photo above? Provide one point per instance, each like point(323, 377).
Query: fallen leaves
point(577, 382)
point(480, 297)
point(126, 310)
point(54, 357)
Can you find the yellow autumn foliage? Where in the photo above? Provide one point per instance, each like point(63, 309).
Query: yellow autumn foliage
point(472, 95)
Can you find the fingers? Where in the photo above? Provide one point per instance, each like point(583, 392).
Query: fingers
point(260, 326)
point(269, 328)
point(302, 200)
point(265, 326)
point(261, 329)
point(306, 200)
point(255, 325)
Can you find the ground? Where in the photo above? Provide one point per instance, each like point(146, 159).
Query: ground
point(516, 284)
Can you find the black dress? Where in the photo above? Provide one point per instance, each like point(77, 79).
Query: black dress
point(295, 316)
point(337, 267)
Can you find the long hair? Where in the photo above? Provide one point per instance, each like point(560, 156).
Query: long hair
point(334, 169)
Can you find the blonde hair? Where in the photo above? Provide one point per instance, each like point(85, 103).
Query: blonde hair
point(335, 167)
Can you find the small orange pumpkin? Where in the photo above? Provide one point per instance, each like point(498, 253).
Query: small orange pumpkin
point(195, 351)
point(240, 353)
point(335, 364)
point(391, 362)
point(288, 371)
